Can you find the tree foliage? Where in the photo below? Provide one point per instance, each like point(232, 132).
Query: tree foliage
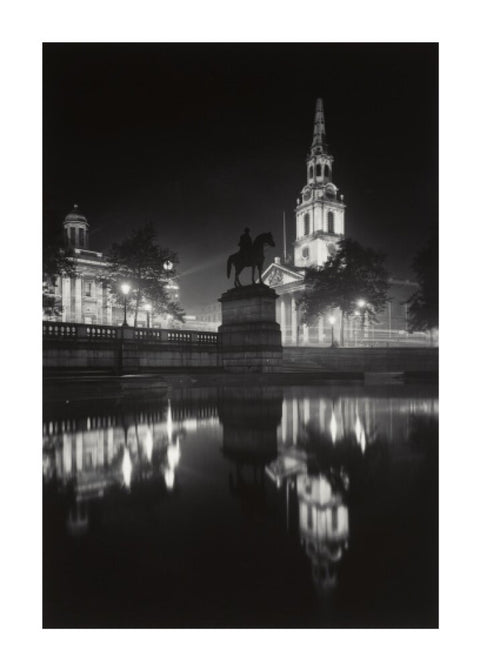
point(141, 262)
point(423, 304)
point(352, 273)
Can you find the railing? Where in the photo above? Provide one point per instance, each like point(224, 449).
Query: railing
point(104, 332)
point(54, 330)
point(151, 334)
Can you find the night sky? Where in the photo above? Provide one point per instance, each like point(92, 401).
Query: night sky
point(205, 139)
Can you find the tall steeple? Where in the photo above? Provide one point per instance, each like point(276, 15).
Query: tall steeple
point(320, 210)
point(319, 136)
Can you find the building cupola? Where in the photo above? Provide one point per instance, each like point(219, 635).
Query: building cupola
point(76, 228)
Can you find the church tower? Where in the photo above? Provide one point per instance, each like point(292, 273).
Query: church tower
point(320, 209)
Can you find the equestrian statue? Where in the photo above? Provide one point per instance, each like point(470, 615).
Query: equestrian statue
point(250, 255)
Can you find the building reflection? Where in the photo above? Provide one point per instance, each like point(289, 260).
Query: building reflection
point(352, 416)
point(86, 456)
point(322, 442)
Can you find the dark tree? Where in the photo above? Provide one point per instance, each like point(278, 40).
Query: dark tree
point(423, 304)
point(141, 262)
point(352, 273)
point(57, 260)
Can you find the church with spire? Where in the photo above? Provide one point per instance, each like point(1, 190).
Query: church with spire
point(319, 226)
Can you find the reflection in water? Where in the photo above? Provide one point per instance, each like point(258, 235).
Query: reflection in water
point(322, 512)
point(250, 418)
point(323, 519)
point(90, 455)
point(306, 468)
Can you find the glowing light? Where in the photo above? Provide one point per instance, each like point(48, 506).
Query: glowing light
point(173, 454)
point(360, 434)
point(331, 320)
point(127, 468)
point(148, 444)
point(361, 302)
point(169, 479)
point(333, 428)
point(125, 288)
point(169, 423)
point(148, 307)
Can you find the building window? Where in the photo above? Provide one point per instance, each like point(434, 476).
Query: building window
point(72, 236)
point(88, 289)
point(326, 171)
point(319, 169)
point(310, 172)
point(82, 237)
point(306, 224)
point(331, 222)
point(309, 517)
point(305, 252)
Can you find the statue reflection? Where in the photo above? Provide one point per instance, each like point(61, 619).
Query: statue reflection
point(250, 418)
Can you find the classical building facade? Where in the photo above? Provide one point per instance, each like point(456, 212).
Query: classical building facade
point(85, 298)
point(320, 225)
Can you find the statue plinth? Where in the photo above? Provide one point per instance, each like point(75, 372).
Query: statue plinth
point(250, 338)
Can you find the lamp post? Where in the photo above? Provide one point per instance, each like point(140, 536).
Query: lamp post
point(331, 321)
point(362, 304)
point(148, 309)
point(356, 314)
point(125, 288)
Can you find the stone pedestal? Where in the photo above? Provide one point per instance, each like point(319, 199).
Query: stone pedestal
point(249, 337)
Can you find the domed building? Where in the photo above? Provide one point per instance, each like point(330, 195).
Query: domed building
point(85, 298)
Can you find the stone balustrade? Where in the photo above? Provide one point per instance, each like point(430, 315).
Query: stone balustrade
point(55, 330)
point(123, 349)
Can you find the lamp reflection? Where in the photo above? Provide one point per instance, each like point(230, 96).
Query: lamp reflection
point(126, 467)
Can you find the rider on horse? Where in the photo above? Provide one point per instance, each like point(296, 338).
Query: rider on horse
point(245, 244)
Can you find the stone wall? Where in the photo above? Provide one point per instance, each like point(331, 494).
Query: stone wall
point(357, 359)
point(125, 350)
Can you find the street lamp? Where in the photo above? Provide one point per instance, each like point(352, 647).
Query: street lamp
point(362, 304)
point(125, 288)
point(148, 309)
point(331, 321)
point(168, 266)
point(357, 314)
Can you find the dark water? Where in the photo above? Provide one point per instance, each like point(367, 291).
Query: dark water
point(243, 507)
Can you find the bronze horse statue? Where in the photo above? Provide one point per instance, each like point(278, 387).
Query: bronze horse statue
point(255, 259)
